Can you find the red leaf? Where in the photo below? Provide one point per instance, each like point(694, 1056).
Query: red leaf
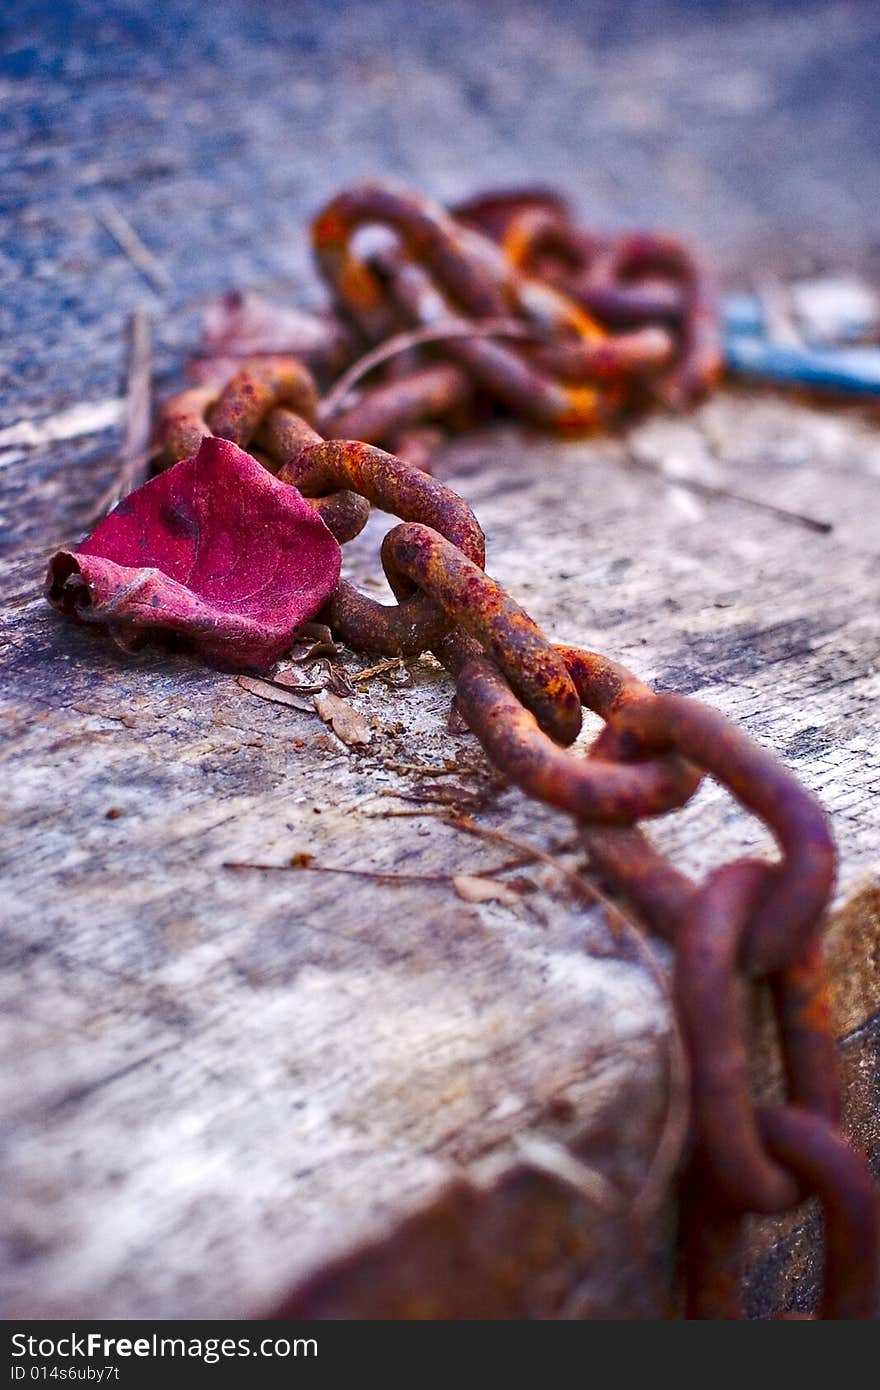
point(215, 550)
point(246, 325)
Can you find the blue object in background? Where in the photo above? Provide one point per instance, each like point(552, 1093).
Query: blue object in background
point(751, 350)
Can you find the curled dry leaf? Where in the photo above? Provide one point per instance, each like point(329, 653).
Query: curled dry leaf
point(247, 325)
point(338, 682)
point(215, 551)
point(265, 690)
point(313, 640)
point(483, 890)
point(297, 678)
point(394, 673)
point(343, 718)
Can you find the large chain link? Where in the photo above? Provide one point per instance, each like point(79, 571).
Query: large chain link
point(605, 323)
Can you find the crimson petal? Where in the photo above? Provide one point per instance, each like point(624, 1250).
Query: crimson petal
point(246, 325)
point(215, 550)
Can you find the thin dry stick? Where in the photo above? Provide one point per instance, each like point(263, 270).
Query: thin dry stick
point(394, 663)
point(136, 446)
point(402, 342)
point(812, 523)
point(374, 875)
point(127, 238)
point(423, 770)
point(461, 821)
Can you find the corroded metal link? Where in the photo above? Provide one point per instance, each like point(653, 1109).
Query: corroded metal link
point(528, 390)
point(608, 792)
point(707, 1000)
point(493, 211)
point(470, 599)
point(701, 356)
point(825, 1165)
point(465, 265)
point(283, 434)
point(627, 305)
point(429, 234)
point(344, 513)
point(535, 238)
point(382, 411)
point(497, 368)
point(644, 352)
point(538, 235)
point(802, 1003)
point(235, 412)
point(616, 279)
point(787, 916)
point(630, 864)
point(604, 280)
point(552, 247)
point(415, 624)
point(712, 1239)
point(391, 484)
point(183, 424)
point(253, 391)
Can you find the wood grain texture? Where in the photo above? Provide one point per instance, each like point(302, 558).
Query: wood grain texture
point(227, 1089)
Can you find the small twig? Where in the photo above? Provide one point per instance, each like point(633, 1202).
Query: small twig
point(782, 330)
point(402, 342)
point(673, 1136)
point(547, 1156)
point(516, 861)
point(136, 446)
point(445, 794)
point(374, 875)
point(581, 887)
point(708, 490)
point(420, 770)
point(125, 235)
point(395, 663)
point(137, 425)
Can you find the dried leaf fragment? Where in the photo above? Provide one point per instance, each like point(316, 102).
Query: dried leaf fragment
point(265, 690)
point(313, 640)
point(248, 325)
point(297, 679)
point(483, 890)
point(343, 718)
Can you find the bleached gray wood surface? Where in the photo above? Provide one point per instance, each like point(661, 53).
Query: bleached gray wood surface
point(216, 1084)
point(216, 1081)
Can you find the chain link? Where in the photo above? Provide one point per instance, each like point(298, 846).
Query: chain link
point(607, 323)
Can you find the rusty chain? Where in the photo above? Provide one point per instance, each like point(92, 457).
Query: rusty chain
point(505, 301)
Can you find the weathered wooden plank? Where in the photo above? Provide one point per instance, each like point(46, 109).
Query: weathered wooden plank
point(220, 1088)
point(349, 1049)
